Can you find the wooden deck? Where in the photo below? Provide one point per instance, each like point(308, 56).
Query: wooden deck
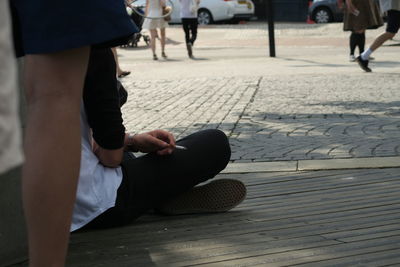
point(320, 218)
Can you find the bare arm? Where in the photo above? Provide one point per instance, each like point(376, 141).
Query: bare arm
point(111, 158)
point(159, 141)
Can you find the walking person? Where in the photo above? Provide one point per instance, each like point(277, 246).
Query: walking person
point(188, 14)
point(392, 7)
point(359, 16)
point(56, 46)
point(154, 20)
point(120, 73)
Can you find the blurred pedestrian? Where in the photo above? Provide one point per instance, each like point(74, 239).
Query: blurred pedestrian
point(120, 73)
point(392, 7)
point(154, 20)
point(10, 136)
point(359, 16)
point(188, 14)
point(56, 39)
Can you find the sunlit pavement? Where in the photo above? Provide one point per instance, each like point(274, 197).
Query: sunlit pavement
point(309, 102)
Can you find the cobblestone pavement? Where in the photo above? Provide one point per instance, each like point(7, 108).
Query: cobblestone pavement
point(306, 110)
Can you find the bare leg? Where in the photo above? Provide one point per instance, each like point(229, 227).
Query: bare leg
point(162, 40)
point(114, 50)
point(54, 85)
point(153, 36)
point(120, 72)
point(381, 39)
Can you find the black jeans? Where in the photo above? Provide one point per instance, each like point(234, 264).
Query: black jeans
point(150, 180)
point(190, 28)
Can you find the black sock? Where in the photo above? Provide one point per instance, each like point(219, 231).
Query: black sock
point(361, 42)
point(353, 42)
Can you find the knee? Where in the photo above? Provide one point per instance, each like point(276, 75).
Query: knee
point(219, 144)
point(391, 35)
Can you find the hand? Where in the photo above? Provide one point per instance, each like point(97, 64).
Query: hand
point(340, 4)
point(159, 141)
point(351, 8)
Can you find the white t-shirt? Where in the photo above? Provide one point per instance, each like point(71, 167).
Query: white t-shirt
point(10, 129)
point(97, 185)
point(187, 8)
point(389, 4)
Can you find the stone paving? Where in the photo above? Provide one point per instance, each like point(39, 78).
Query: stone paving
point(305, 110)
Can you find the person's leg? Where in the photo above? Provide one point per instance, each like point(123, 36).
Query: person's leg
point(193, 28)
point(150, 180)
point(361, 43)
point(393, 24)
point(54, 85)
point(353, 43)
point(162, 40)
point(380, 40)
point(120, 72)
point(153, 36)
point(185, 26)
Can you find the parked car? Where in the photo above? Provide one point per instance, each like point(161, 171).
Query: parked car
point(324, 11)
point(213, 10)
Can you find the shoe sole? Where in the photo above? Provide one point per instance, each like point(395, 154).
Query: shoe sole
point(217, 196)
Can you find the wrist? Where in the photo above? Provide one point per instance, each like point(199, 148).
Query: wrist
point(130, 142)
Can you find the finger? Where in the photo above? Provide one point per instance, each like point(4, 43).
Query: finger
point(160, 144)
point(164, 152)
point(165, 136)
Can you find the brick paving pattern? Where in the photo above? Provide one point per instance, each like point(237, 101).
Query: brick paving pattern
point(308, 103)
point(276, 118)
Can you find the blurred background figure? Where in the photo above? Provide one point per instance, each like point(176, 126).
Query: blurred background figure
point(359, 15)
point(189, 22)
point(154, 21)
point(120, 73)
point(10, 136)
point(392, 7)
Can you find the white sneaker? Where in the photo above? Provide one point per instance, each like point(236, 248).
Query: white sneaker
point(352, 58)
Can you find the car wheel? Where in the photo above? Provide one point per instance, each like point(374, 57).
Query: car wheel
point(322, 15)
point(204, 17)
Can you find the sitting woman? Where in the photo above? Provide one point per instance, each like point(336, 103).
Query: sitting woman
point(115, 187)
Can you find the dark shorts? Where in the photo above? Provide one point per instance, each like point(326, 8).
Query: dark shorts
point(393, 21)
point(46, 26)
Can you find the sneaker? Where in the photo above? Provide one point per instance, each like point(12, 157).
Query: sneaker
point(190, 49)
point(164, 55)
point(363, 64)
point(352, 58)
point(155, 57)
point(216, 196)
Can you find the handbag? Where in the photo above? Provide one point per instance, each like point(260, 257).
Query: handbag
point(167, 10)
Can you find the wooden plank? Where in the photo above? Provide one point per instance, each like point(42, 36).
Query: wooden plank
point(309, 255)
point(381, 258)
point(353, 163)
point(289, 218)
point(200, 240)
point(257, 224)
